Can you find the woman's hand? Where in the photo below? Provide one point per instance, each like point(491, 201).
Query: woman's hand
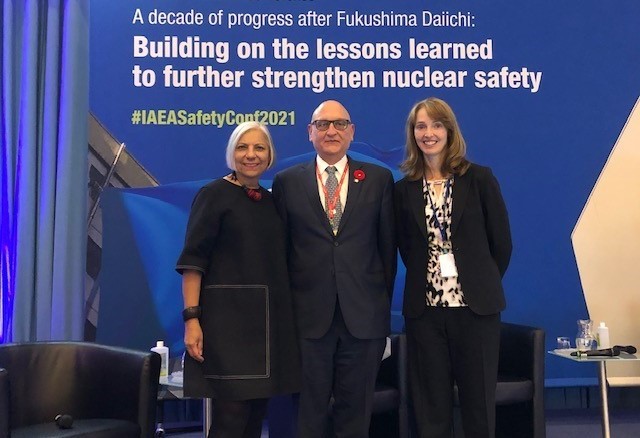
point(191, 282)
point(193, 339)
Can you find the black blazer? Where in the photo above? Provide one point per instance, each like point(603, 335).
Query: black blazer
point(480, 236)
point(357, 266)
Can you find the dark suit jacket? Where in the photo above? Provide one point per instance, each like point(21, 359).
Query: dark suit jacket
point(480, 236)
point(357, 266)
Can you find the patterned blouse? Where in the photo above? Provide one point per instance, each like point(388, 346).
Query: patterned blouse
point(440, 291)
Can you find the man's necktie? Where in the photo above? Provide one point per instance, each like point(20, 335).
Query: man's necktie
point(332, 186)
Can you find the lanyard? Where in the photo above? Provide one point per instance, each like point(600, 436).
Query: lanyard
point(434, 207)
point(331, 202)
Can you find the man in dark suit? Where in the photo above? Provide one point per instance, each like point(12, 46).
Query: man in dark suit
point(338, 213)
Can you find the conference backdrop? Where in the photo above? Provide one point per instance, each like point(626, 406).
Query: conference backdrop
point(541, 90)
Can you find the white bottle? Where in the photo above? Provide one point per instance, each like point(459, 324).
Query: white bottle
point(164, 356)
point(603, 336)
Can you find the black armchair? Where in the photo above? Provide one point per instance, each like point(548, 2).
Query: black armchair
point(390, 401)
point(520, 392)
point(520, 388)
point(108, 391)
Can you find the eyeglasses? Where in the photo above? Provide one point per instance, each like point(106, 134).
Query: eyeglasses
point(323, 125)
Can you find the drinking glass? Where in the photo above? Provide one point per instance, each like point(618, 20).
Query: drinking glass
point(563, 342)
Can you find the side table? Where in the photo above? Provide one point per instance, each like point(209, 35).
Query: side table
point(171, 388)
point(602, 377)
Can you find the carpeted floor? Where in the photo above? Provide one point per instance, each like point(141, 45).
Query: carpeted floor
point(561, 423)
point(586, 423)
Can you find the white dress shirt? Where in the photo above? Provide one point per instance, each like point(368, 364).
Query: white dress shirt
point(340, 166)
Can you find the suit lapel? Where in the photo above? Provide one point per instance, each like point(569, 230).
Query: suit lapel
point(460, 191)
point(310, 184)
point(416, 204)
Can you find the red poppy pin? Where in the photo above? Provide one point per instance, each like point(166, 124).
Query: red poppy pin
point(358, 175)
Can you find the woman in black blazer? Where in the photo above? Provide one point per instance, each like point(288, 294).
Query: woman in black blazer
point(454, 239)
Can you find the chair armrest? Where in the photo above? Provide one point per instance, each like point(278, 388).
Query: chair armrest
point(4, 403)
point(522, 354)
point(393, 373)
point(399, 342)
point(393, 369)
point(133, 379)
point(521, 351)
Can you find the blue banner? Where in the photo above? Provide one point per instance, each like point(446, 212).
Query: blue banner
point(541, 91)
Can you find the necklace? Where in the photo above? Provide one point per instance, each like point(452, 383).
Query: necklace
point(253, 194)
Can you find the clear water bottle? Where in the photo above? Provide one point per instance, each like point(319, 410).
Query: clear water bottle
point(603, 336)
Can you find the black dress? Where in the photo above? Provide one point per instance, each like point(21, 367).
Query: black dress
point(249, 337)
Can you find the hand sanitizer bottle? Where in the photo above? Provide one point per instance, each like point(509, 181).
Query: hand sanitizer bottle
point(164, 355)
point(603, 336)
